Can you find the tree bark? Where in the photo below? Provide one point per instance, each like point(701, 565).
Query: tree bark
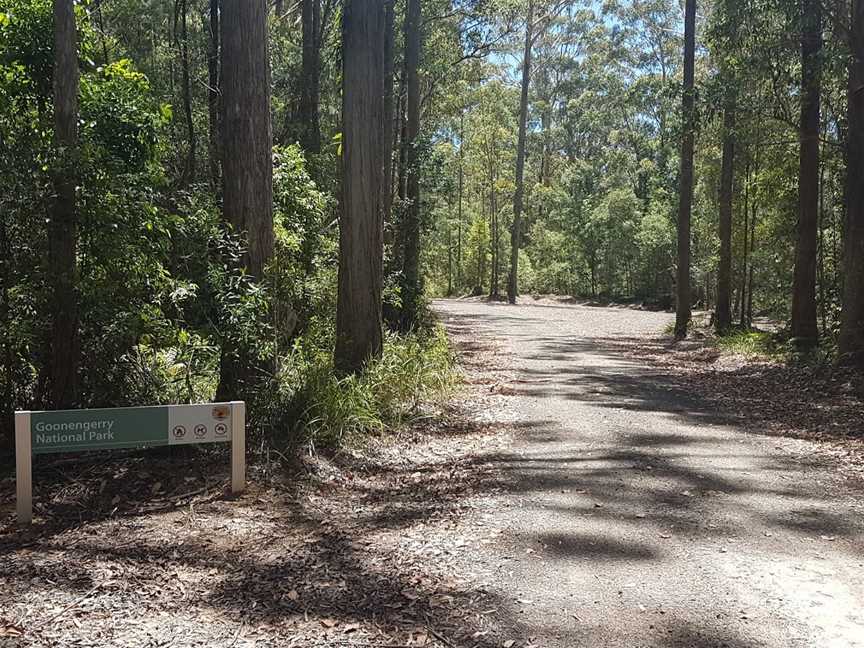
point(308, 109)
point(102, 34)
point(213, 98)
point(389, 110)
point(247, 142)
point(723, 313)
point(685, 204)
point(461, 190)
point(64, 360)
point(805, 331)
point(493, 223)
point(449, 260)
point(247, 136)
point(411, 222)
point(820, 254)
point(7, 377)
point(478, 289)
point(851, 339)
point(748, 322)
point(402, 162)
point(189, 167)
point(398, 191)
point(481, 253)
point(743, 291)
point(519, 193)
point(361, 249)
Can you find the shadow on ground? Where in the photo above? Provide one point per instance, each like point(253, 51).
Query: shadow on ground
point(380, 547)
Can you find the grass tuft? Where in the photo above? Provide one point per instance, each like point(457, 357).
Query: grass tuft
point(752, 344)
point(310, 403)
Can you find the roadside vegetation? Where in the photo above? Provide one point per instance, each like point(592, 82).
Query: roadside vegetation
point(327, 410)
point(754, 344)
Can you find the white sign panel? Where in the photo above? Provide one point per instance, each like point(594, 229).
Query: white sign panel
point(208, 423)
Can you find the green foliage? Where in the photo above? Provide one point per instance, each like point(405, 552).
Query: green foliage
point(774, 347)
point(477, 257)
point(601, 142)
point(604, 131)
point(162, 287)
point(120, 120)
point(308, 402)
point(27, 46)
point(124, 238)
point(301, 275)
point(548, 252)
point(754, 344)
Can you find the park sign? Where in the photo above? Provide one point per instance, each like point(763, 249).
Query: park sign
point(129, 427)
point(125, 427)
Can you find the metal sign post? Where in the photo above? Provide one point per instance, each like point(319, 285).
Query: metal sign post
point(125, 427)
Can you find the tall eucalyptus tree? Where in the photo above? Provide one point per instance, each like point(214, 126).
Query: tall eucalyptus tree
point(359, 335)
point(685, 191)
point(64, 361)
point(804, 321)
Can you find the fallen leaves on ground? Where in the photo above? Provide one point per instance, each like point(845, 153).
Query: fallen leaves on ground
point(361, 548)
point(769, 397)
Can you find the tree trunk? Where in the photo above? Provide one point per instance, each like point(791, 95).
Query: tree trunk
point(851, 340)
point(213, 98)
point(685, 204)
point(820, 254)
point(191, 153)
point(389, 110)
point(247, 163)
point(478, 289)
point(741, 298)
point(493, 224)
point(398, 193)
point(805, 330)
point(102, 34)
point(411, 222)
point(723, 313)
point(748, 322)
point(449, 260)
point(7, 377)
point(361, 247)
point(519, 193)
point(308, 113)
point(461, 190)
point(64, 360)
point(402, 165)
point(247, 137)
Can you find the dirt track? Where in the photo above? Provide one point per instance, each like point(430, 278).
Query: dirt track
point(576, 495)
point(631, 514)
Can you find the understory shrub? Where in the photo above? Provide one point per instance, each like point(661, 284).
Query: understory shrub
point(162, 287)
point(308, 402)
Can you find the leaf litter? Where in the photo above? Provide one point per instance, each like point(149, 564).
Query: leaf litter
point(361, 548)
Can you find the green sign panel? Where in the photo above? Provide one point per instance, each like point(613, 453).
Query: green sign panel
point(129, 427)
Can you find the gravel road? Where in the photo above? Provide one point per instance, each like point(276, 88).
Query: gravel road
point(631, 514)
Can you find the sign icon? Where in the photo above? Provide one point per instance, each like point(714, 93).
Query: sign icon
point(200, 431)
point(221, 429)
point(179, 431)
point(221, 412)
